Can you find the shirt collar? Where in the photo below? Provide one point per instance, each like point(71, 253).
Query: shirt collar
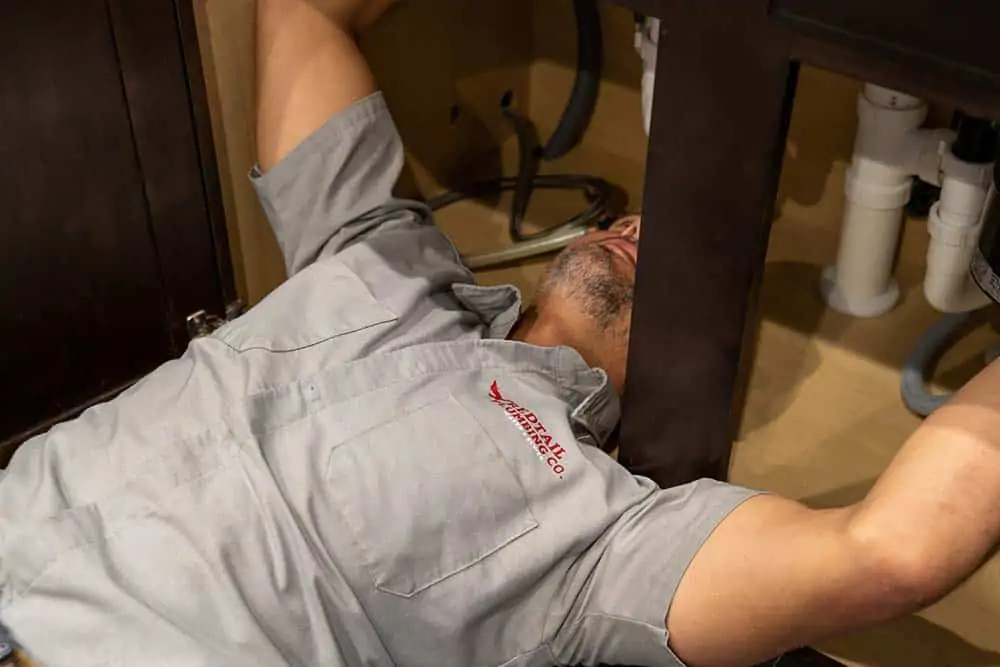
point(597, 408)
point(499, 306)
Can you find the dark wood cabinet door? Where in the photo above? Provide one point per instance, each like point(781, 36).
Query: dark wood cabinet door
point(956, 33)
point(97, 219)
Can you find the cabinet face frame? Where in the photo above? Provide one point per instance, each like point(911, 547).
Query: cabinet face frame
point(158, 185)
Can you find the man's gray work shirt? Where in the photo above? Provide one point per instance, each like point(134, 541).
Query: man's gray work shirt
point(359, 471)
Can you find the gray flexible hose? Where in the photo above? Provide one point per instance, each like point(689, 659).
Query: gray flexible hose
point(929, 348)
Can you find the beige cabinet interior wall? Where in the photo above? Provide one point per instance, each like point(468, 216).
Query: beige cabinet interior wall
point(444, 86)
point(226, 33)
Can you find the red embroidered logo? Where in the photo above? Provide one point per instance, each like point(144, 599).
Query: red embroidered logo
point(549, 451)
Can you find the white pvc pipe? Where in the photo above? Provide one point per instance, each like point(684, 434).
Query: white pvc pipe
point(955, 224)
point(887, 98)
point(877, 187)
point(861, 283)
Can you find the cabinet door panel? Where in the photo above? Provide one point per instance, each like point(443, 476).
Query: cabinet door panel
point(82, 304)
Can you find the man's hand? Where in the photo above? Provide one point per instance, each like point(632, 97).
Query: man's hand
point(373, 11)
point(355, 14)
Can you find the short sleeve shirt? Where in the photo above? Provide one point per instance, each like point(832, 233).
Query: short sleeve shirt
point(361, 470)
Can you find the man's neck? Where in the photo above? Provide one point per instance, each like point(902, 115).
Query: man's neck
point(534, 328)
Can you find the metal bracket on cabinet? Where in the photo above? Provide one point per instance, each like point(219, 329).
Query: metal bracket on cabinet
point(202, 323)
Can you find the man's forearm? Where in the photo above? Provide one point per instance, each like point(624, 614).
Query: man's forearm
point(775, 575)
point(938, 503)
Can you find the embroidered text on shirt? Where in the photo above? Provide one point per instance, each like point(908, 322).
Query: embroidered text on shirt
point(548, 450)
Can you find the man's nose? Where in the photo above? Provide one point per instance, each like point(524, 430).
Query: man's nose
point(630, 228)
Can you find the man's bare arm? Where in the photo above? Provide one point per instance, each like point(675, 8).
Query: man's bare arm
point(308, 68)
point(776, 575)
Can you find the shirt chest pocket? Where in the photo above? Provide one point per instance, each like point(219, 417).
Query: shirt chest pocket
point(426, 494)
point(324, 301)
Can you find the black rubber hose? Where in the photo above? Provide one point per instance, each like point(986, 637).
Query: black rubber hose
point(583, 99)
point(527, 171)
point(601, 196)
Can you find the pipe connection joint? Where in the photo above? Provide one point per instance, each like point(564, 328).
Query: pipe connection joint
point(955, 224)
point(889, 149)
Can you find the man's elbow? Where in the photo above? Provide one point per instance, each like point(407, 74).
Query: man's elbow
point(903, 576)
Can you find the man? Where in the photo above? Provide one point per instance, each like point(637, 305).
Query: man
point(383, 464)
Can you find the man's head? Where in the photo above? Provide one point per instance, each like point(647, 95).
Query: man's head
point(585, 298)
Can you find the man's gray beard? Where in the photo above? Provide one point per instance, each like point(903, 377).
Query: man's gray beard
point(586, 275)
